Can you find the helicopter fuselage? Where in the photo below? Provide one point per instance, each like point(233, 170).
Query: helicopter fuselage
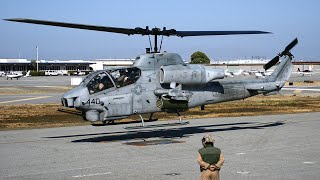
point(153, 86)
point(162, 81)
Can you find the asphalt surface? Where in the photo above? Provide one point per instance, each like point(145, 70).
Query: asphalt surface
point(49, 84)
point(37, 81)
point(299, 78)
point(47, 89)
point(30, 98)
point(261, 147)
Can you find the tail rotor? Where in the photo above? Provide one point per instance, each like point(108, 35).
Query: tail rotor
point(285, 52)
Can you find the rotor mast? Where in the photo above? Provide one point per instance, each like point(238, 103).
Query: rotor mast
point(154, 32)
point(155, 43)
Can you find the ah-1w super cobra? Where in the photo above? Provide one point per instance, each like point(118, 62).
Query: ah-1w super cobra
point(163, 81)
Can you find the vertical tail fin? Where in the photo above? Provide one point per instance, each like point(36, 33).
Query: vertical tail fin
point(283, 70)
point(28, 74)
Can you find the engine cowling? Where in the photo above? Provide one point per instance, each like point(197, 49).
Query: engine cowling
point(190, 74)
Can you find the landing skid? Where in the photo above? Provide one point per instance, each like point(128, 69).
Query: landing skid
point(142, 126)
point(158, 125)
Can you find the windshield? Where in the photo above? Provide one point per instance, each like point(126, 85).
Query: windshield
point(103, 80)
point(89, 77)
point(100, 82)
point(125, 76)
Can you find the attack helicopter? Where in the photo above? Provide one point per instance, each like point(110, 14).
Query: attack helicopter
point(161, 81)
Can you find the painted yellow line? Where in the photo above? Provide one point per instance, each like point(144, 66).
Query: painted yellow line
point(27, 99)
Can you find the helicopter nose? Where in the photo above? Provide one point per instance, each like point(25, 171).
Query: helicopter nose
point(68, 102)
point(72, 98)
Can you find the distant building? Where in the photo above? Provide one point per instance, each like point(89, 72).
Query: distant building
point(100, 64)
point(14, 65)
point(9, 65)
point(68, 65)
point(257, 64)
point(243, 62)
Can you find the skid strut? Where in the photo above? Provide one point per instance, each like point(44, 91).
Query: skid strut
point(142, 120)
point(179, 123)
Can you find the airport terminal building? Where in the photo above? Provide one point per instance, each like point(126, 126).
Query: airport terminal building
point(19, 65)
point(14, 65)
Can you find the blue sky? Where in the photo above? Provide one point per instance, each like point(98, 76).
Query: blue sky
point(287, 19)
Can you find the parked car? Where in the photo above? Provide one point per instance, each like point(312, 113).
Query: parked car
point(80, 73)
point(2, 73)
point(50, 73)
point(62, 72)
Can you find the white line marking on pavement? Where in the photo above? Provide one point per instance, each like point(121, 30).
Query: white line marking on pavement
point(50, 86)
point(309, 162)
point(6, 96)
point(242, 172)
point(27, 99)
point(89, 175)
point(300, 89)
point(104, 166)
point(241, 153)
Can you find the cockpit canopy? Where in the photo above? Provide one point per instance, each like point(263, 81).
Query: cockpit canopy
point(111, 78)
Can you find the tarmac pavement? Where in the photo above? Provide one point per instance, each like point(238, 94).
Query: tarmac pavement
point(45, 89)
point(51, 89)
point(30, 98)
point(37, 81)
point(256, 147)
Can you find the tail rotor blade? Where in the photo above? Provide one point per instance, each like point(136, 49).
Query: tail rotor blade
point(271, 63)
point(291, 45)
point(285, 52)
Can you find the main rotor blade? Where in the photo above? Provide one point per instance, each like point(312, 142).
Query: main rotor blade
point(130, 31)
point(76, 26)
point(210, 33)
point(271, 63)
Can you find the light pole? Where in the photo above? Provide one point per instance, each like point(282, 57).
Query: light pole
point(37, 58)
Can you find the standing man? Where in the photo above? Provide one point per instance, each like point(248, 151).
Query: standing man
point(210, 159)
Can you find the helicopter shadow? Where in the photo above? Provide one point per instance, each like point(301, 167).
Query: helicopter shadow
point(182, 132)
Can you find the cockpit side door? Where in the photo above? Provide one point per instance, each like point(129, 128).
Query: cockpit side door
point(100, 83)
point(118, 105)
point(108, 99)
